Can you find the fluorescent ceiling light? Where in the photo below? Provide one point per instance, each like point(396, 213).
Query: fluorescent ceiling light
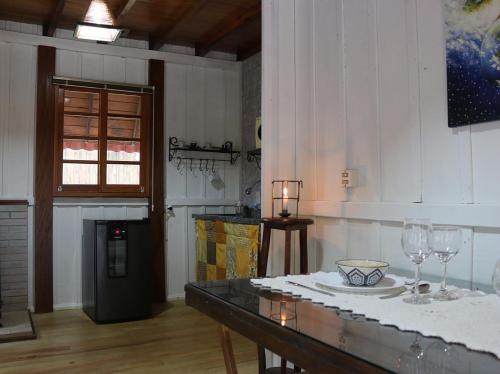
point(97, 32)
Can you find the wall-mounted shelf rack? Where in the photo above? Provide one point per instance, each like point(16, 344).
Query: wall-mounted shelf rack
point(182, 150)
point(255, 155)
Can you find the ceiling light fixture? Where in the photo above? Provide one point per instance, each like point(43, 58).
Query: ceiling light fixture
point(97, 32)
point(98, 24)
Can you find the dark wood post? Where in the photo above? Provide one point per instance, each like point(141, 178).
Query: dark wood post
point(157, 200)
point(44, 172)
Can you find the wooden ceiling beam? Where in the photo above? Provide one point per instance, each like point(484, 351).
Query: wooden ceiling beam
point(49, 27)
point(123, 9)
point(156, 42)
point(220, 31)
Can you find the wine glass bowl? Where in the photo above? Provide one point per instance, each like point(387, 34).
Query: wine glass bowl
point(416, 240)
point(447, 242)
point(496, 278)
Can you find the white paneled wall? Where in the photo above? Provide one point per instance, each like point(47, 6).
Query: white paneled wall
point(17, 119)
point(361, 84)
point(202, 103)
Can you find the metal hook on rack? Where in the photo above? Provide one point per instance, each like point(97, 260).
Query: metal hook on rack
point(191, 165)
point(213, 166)
point(206, 166)
point(179, 163)
point(201, 165)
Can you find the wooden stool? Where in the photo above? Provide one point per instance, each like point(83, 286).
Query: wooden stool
point(288, 225)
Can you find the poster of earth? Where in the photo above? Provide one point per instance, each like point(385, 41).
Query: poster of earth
point(472, 30)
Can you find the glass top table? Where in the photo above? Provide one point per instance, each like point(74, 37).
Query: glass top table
point(321, 339)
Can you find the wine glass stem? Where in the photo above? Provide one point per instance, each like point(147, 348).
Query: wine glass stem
point(443, 282)
point(416, 292)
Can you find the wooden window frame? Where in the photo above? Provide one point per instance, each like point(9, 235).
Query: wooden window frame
point(102, 188)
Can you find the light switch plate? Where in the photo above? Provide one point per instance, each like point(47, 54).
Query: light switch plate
point(349, 178)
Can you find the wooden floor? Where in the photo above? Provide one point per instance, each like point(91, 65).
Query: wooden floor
point(178, 340)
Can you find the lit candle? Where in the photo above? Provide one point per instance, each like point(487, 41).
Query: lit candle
point(285, 199)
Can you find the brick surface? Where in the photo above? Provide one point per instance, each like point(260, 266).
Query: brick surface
point(18, 214)
point(14, 257)
point(14, 222)
point(13, 208)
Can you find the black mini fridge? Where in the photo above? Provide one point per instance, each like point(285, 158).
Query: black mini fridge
point(116, 270)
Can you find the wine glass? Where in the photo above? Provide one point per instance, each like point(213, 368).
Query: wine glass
point(416, 241)
point(496, 278)
point(447, 242)
point(412, 360)
point(441, 358)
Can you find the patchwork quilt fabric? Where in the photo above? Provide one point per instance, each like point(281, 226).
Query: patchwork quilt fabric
point(226, 250)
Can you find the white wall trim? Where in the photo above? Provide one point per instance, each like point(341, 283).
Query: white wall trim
point(113, 50)
point(176, 296)
point(200, 202)
point(470, 215)
point(68, 306)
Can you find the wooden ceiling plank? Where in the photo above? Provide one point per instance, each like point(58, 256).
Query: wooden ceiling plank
point(157, 41)
point(49, 27)
point(123, 9)
point(220, 31)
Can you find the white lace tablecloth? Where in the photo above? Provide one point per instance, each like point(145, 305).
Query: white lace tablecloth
point(472, 320)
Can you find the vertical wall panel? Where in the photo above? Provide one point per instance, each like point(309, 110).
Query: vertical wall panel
point(175, 123)
point(20, 127)
point(4, 108)
point(398, 104)
point(485, 161)
point(136, 71)
point(92, 66)
point(329, 101)
point(331, 242)
point(285, 145)
point(304, 75)
point(68, 63)
point(67, 256)
point(114, 69)
point(362, 147)
point(177, 266)
point(440, 148)
point(233, 132)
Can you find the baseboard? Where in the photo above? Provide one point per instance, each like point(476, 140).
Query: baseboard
point(68, 306)
point(176, 296)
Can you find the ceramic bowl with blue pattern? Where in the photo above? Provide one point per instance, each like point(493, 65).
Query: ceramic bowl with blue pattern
point(362, 273)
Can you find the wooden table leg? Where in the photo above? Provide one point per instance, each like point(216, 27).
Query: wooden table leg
point(264, 252)
point(288, 241)
point(303, 251)
point(227, 350)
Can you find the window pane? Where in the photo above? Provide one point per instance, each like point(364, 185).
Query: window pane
point(80, 101)
point(122, 174)
point(80, 174)
point(78, 149)
point(124, 104)
point(80, 126)
point(124, 127)
point(119, 150)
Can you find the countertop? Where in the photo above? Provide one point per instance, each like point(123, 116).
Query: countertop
point(231, 218)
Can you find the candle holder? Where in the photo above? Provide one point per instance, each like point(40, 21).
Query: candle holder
point(286, 193)
point(281, 308)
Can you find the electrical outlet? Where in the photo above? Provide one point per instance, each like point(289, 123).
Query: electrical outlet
point(349, 178)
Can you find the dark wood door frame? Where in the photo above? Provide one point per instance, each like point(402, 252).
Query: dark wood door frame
point(157, 200)
point(44, 151)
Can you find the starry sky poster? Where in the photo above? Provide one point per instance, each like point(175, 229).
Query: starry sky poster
point(473, 61)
